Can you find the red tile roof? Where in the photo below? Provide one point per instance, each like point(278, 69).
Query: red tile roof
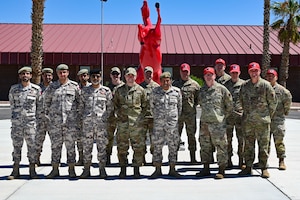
point(120, 38)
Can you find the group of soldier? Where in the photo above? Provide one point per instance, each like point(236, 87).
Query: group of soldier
point(89, 112)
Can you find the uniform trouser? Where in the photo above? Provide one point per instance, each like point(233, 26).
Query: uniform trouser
point(278, 132)
point(79, 141)
point(261, 133)
point(162, 135)
point(100, 135)
point(148, 128)
point(235, 124)
point(111, 127)
point(42, 129)
point(18, 134)
point(59, 135)
point(134, 134)
point(213, 135)
point(190, 126)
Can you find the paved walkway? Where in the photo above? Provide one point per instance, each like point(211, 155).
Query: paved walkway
point(281, 185)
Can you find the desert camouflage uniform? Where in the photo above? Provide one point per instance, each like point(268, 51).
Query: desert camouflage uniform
point(234, 120)
point(216, 105)
point(223, 79)
point(284, 100)
point(148, 122)
point(190, 91)
point(61, 107)
point(24, 106)
point(111, 123)
point(130, 107)
point(259, 103)
point(166, 108)
point(95, 107)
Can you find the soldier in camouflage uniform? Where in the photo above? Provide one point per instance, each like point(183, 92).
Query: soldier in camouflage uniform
point(216, 104)
point(284, 100)
point(166, 105)
point(189, 89)
point(115, 76)
point(221, 76)
point(95, 107)
point(42, 121)
point(258, 100)
point(148, 84)
point(234, 121)
point(130, 107)
point(24, 98)
point(61, 102)
point(83, 76)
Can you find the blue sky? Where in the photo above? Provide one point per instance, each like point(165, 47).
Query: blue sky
point(223, 12)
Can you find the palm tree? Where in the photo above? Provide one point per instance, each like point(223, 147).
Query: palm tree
point(266, 58)
point(287, 26)
point(37, 17)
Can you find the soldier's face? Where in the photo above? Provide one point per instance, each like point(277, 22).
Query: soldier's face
point(62, 74)
point(115, 76)
point(219, 67)
point(83, 77)
point(165, 83)
point(148, 75)
point(209, 78)
point(271, 78)
point(254, 73)
point(96, 79)
point(25, 76)
point(47, 77)
point(234, 75)
point(184, 75)
point(130, 78)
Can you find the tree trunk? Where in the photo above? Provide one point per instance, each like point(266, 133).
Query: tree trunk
point(266, 58)
point(37, 17)
point(284, 65)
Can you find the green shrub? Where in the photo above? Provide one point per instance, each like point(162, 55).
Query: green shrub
point(200, 81)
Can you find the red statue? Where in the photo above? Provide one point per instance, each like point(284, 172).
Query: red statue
point(150, 38)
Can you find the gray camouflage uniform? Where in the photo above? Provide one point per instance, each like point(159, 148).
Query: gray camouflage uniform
point(223, 79)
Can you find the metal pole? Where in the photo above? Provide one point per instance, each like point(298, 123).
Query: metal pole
point(102, 41)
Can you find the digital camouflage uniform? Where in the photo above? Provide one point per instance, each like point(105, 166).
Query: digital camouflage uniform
point(259, 103)
point(24, 106)
point(130, 107)
point(148, 121)
point(223, 79)
point(284, 100)
point(216, 105)
point(112, 123)
point(190, 91)
point(95, 107)
point(234, 120)
point(61, 107)
point(166, 107)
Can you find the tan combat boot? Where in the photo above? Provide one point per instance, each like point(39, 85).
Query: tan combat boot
point(157, 173)
point(246, 172)
point(204, 172)
point(32, 172)
point(15, 173)
point(86, 171)
point(173, 172)
point(265, 173)
point(281, 164)
point(71, 170)
point(221, 173)
point(102, 171)
point(55, 172)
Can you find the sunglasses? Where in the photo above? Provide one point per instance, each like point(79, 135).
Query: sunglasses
point(115, 73)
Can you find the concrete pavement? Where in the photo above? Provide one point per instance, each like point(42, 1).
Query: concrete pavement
point(281, 185)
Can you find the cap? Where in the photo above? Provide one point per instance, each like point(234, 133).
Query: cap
point(95, 71)
point(47, 70)
point(272, 71)
point(209, 70)
point(148, 69)
point(220, 61)
point(82, 71)
point(253, 65)
point(234, 68)
point(62, 67)
point(165, 75)
point(185, 67)
point(130, 70)
point(115, 69)
point(26, 69)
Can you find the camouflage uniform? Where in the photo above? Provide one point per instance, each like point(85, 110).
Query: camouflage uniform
point(166, 107)
point(216, 105)
point(148, 122)
point(223, 79)
point(284, 100)
point(259, 103)
point(61, 107)
point(95, 107)
point(129, 105)
point(234, 120)
point(189, 90)
point(111, 123)
point(24, 106)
